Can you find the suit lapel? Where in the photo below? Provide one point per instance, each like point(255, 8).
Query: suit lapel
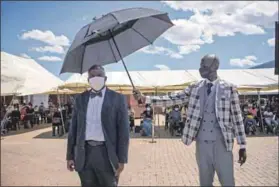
point(85, 100)
point(201, 92)
point(106, 103)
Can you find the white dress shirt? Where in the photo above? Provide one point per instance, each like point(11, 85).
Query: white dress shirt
point(94, 130)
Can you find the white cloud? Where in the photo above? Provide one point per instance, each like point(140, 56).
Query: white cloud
point(162, 51)
point(271, 42)
point(53, 49)
point(47, 37)
point(50, 58)
point(84, 18)
point(24, 55)
point(187, 49)
point(218, 18)
point(247, 61)
point(162, 67)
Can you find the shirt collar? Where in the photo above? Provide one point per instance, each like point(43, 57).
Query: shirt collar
point(213, 82)
point(103, 90)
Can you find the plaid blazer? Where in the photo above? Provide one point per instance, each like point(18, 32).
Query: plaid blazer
point(227, 109)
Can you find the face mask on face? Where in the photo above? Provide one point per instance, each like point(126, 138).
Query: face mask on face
point(176, 109)
point(97, 83)
point(148, 109)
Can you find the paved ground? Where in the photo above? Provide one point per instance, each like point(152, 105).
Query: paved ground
point(35, 158)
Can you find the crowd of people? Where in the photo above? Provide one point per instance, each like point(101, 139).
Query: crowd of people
point(258, 117)
point(26, 116)
point(263, 115)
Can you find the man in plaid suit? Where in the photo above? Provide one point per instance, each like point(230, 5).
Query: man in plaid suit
point(213, 120)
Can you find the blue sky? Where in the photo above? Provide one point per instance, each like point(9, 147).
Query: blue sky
point(241, 34)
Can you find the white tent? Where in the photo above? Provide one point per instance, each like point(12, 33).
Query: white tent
point(24, 76)
point(242, 78)
point(245, 77)
point(264, 92)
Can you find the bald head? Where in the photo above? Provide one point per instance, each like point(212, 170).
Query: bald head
point(209, 66)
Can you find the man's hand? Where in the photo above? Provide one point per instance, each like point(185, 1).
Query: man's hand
point(242, 156)
point(119, 170)
point(138, 96)
point(70, 165)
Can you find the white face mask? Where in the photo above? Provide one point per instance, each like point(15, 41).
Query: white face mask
point(176, 109)
point(97, 83)
point(148, 109)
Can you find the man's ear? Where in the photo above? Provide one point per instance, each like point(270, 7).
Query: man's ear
point(106, 78)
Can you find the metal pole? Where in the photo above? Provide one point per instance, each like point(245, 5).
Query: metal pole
point(259, 101)
point(153, 123)
point(121, 58)
point(61, 114)
point(158, 115)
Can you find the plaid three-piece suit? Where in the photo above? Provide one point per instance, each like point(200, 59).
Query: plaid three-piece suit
point(227, 109)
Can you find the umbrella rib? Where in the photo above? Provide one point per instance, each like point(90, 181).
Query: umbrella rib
point(112, 51)
point(141, 35)
point(114, 17)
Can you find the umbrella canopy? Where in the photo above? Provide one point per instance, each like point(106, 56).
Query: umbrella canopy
point(114, 36)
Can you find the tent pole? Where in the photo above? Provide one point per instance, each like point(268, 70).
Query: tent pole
point(259, 101)
point(154, 121)
point(61, 114)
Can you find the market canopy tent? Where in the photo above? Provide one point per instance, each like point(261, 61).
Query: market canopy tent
point(23, 76)
point(172, 80)
point(264, 92)
point(146, 81)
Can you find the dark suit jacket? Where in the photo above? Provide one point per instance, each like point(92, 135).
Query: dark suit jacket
point(115, 125)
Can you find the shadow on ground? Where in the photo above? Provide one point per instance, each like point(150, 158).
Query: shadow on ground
point(22, 130)
point(48, 135)
point(160, 133)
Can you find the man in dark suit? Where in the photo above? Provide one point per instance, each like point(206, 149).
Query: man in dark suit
point(98, 138)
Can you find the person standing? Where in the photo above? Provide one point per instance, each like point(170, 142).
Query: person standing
point(98, 138)
point(56, 122)
point(131, 114)
point(213, 120)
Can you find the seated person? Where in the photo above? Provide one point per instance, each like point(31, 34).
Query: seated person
point(250, 119)
point(15, 115)
point(146, 126)
point(268, 117)
point(253, 110)
point(175, 115)
point(176, 119)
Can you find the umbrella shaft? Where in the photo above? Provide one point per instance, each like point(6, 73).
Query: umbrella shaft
point(121, 59)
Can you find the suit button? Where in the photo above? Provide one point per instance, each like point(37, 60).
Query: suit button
point(211, 131)
point(211, 121)
point(204, 121)
point(203, 129)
